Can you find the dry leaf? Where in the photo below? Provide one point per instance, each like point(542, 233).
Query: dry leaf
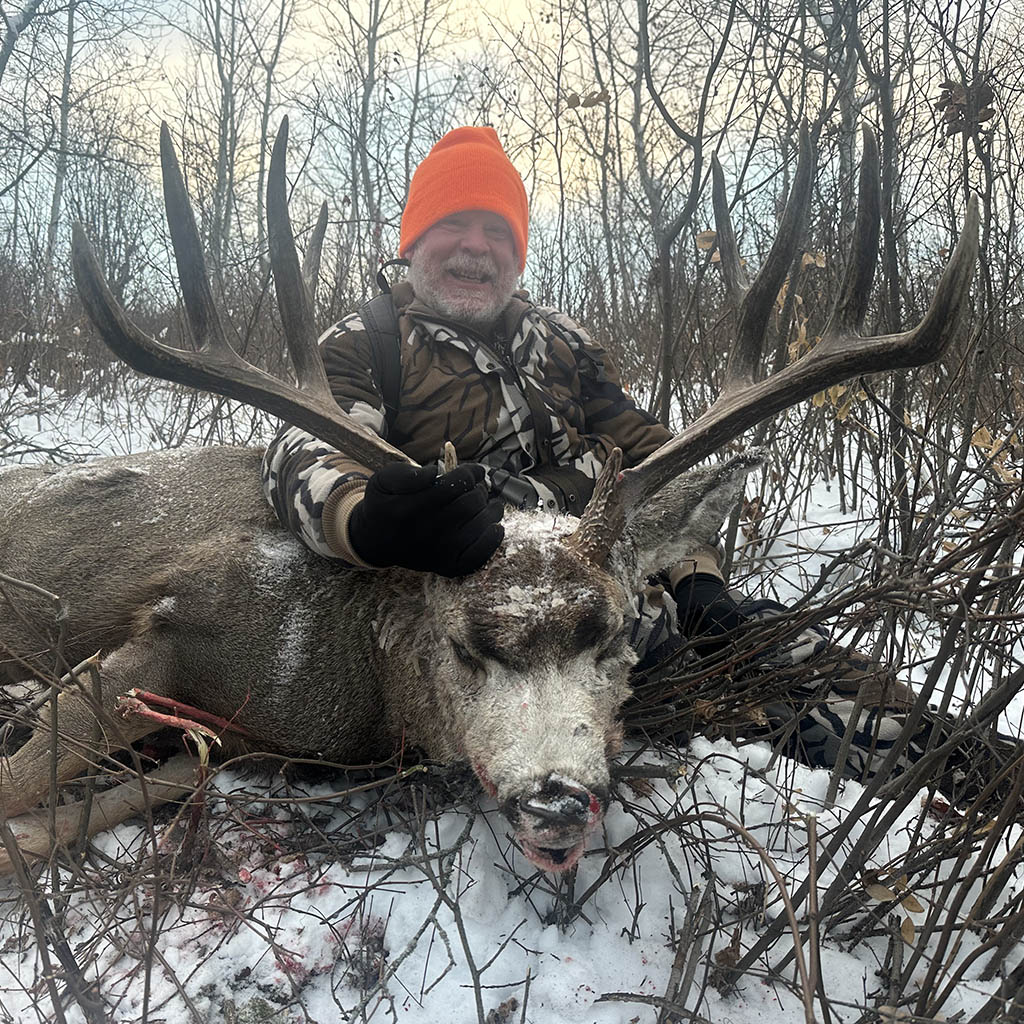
point(640, 787)
point(818, 400)
point(595, 98)
point(912, 905)
point(908, 931)
point(729, 955)
point(706, 239)
point(503, 1013)
point(705, 709)
point(982, 438)
point(755, 714)
point(882, 893)
point(572, 100)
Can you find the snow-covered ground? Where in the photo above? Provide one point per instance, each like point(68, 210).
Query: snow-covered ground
point(351, 908)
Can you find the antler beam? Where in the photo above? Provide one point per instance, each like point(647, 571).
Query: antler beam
point(215, 366)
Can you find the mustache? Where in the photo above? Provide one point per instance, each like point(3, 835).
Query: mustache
point(481, 266)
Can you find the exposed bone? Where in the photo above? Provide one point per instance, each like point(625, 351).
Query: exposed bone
point(142, 703)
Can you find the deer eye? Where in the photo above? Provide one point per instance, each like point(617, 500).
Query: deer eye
point(464, 656)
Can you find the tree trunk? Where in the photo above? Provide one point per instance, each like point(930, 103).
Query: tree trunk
point(60, 173)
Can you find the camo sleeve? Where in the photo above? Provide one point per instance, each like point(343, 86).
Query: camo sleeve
point(609, 411)
point(312, 486)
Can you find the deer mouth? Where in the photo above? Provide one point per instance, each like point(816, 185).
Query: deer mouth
point(552, 858)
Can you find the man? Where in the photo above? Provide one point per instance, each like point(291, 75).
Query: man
point(533, 406)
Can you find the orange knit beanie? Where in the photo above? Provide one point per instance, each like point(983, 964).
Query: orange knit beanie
point(466, 170)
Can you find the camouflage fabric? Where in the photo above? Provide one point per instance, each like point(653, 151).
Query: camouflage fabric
point(811, 722)
point(538, 403)
point(817, 686)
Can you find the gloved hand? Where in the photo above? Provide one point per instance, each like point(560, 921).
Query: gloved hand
point(706, 611)
point(411, 517)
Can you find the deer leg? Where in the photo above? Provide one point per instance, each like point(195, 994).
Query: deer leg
point(31, 831)
point(146, 663)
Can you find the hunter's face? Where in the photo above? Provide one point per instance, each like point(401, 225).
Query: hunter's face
point(465, 267)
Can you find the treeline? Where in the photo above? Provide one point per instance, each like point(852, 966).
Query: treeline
point(612, 127)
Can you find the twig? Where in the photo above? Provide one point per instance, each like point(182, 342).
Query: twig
point(40, 918)
point(684, 965)
point(526, 996)
point(660, 1001)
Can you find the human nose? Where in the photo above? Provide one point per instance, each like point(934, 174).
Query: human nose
point(474, 239)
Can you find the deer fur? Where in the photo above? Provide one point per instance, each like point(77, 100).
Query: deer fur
point(173, 566)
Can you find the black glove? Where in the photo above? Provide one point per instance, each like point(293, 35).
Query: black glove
point(706, 611)
point(413, 518)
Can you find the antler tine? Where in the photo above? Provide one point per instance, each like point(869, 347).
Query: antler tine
point(736, 280)
point(840, 354)
point(930, 338)
point(852, 304)
point(203, 319)
point(604, 517)
point(216, 368)
point(745, 355)
point(292, 294)
point(311, 261)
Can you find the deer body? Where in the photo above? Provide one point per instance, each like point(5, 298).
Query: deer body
point(172, 566)
point(175, 559)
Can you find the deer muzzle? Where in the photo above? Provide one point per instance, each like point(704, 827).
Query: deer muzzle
point(553, 820)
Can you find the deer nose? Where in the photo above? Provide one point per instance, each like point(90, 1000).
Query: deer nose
point(558, 802)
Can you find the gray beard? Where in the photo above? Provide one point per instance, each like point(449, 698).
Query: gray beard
point(466, 310)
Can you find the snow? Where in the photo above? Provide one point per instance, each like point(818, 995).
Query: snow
point(363, 906)
point(311, 935)
point(526, 602)
point(525, 529)
point(39, 423)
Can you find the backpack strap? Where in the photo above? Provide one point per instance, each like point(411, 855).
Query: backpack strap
point(381, 322)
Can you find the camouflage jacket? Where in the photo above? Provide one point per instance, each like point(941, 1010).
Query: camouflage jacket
point(538, 403)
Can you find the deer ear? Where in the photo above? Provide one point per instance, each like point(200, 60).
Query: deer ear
point(686, 513)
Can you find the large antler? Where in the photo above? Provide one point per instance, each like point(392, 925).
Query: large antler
point(840, 354)
point(215, 366)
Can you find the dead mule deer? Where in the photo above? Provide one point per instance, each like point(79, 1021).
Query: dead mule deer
point(172, 565)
